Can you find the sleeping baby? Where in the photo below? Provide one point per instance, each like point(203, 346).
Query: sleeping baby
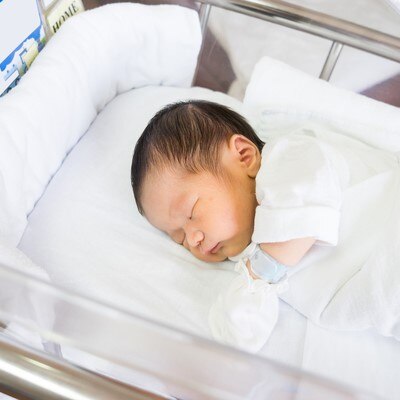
point(201, 174)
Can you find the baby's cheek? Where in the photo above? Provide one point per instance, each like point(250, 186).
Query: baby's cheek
point(230, 218)
point(231, 225)
point(207, 257)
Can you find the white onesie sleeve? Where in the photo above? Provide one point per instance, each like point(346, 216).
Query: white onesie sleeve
point(298, 190)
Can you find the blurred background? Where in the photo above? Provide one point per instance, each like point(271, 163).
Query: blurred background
point(232, 46)
point(228, 60)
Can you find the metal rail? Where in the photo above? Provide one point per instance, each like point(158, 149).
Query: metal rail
point(331, 61)
point(316, 23)
point(204, 14)
point(30, 375)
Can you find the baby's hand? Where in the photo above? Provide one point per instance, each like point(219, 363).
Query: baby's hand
point(251, 273)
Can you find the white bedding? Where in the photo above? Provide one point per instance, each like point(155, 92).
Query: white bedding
point(370, 214)
point(86, 233)
point(365, 295)
point(72, 80)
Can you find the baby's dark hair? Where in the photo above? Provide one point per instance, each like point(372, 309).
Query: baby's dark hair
point(189, 135)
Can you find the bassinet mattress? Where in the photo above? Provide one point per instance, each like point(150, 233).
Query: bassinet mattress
point(86, 233)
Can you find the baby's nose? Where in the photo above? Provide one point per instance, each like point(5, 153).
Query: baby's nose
point(194, 238)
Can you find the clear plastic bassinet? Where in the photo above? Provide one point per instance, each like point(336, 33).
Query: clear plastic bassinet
point(134, 348)
point(61, 344)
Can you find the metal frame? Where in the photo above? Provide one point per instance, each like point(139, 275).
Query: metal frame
point(204, 14)
point(341, 32)
point(28, 374)
point(331, 61)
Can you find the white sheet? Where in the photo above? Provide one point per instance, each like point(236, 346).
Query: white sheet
point(88, 235)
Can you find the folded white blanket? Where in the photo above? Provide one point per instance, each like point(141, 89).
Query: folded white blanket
point(93, 57)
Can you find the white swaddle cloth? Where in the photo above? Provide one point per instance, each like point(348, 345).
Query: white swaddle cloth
point(245, 314)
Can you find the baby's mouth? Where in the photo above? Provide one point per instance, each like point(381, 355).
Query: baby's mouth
point(215, 248)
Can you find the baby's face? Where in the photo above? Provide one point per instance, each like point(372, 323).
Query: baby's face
point(213, 219)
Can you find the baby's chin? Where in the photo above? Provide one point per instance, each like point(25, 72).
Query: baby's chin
point(220, 256)
point(212, 258)
point(226, 251)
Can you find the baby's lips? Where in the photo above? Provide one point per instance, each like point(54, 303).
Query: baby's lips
point(215, 248)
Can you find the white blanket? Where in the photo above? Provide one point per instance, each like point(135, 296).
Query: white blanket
point(346, 287)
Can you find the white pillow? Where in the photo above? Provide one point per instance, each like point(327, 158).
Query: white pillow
point(93, 57)
point(279, 95)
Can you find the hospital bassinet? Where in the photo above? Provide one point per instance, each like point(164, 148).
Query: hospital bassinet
point(61, 340)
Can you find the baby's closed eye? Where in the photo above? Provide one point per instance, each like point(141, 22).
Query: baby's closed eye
point(192, 210)
point(178, 236)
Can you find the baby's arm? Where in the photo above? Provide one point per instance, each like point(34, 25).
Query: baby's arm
point(288, 253)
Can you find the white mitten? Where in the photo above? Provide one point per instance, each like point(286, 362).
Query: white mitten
point(245, 314)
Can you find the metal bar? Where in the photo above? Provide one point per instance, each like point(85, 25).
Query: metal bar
point(30, 375)
point(331, 61)
point(316, 23)
point(204, 14)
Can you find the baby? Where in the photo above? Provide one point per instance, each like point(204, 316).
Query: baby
point(311, 197)
point(202, 175)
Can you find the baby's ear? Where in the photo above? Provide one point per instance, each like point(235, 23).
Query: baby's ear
point(247, 153)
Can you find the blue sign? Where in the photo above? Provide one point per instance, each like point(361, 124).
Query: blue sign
point(22, 37)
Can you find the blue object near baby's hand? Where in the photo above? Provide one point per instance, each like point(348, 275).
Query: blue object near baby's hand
point(266, 267)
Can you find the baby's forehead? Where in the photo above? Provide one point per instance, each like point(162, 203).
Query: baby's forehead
point(156, 196)
point(166, 171)
point(162, 182)
point(165, 194)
